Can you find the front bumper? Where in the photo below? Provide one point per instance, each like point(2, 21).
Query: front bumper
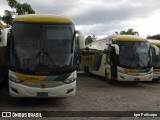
point(128, 77)
point(19, 90)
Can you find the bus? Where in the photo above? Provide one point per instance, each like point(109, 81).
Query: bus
point(119, 58)
point(155, 44)
point(42, 56)
point(3, 59)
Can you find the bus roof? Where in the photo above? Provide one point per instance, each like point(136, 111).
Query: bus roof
point(154, 42)
point(44, 18)
point(131, 38)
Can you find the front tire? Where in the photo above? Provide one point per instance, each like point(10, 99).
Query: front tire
point(134, 82)
point(87, 71)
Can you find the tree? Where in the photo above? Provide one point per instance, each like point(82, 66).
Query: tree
point(88, 40)
point(157, 37)
point(24, 9)
point(130, 31)
point(8, 17)
point(18, 8)
point(116, 33)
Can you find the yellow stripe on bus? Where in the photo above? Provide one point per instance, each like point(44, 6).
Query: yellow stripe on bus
point(131, 70)
point(156, 70)
point(29, 78)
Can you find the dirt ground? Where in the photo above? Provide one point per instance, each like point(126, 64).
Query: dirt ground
point(93, 94)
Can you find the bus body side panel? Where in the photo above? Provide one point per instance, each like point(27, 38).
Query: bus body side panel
point(96, 63)
point(87, 60)
point(99, 65)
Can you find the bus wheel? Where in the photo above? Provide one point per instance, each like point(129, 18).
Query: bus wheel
point(109, 81)
point(134, 82)
point(106, 74)
point(155, 80)
point(87, 70)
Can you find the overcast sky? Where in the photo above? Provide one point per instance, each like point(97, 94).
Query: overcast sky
point(102, 17)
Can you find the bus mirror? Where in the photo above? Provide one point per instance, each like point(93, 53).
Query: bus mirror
point(156, 49)
point(81, 39)
point(116, 48)
point(4, 37)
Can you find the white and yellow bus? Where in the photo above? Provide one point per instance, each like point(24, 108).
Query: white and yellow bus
point(42, 56)
point(120, 58)
point(3, 59)
point(155, 44)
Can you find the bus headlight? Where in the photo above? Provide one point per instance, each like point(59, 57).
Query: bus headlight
point(67, 81)
point(15, 79)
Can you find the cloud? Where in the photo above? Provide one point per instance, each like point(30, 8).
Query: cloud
point(113, 12)
point(89, 12)
point(99, 29)
point(3, 6)
point(98, 16)
point(51, 6)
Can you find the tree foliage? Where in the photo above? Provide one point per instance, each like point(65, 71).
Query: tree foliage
point(12, 3)
point(157, 37)
point(130, 31)
point(8, 17)
point(18, 8)
point(88, 40)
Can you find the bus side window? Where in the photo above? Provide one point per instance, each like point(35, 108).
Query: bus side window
point(154, 57)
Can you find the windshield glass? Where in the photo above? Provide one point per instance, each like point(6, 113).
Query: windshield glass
point(42, 47)
point(155, 58)
point(134, 54)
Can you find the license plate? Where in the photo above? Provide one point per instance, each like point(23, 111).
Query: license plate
point(42, 94)
point(137, 79)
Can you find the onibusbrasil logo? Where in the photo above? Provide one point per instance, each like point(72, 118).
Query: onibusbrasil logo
point(21, 114)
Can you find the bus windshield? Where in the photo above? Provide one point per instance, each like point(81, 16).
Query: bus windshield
point(135, 54)
point(155, 58)
point(42, 47)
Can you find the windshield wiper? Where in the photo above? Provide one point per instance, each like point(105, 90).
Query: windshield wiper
point(72, 42)
point(135, 57)
point(146, 65)
point(16, 57)
point(50, 58)
point(15, 53)
point(142, 63)
point(34, 60)
point(135, 60)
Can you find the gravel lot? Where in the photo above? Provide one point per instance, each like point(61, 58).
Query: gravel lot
point(93, 94)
